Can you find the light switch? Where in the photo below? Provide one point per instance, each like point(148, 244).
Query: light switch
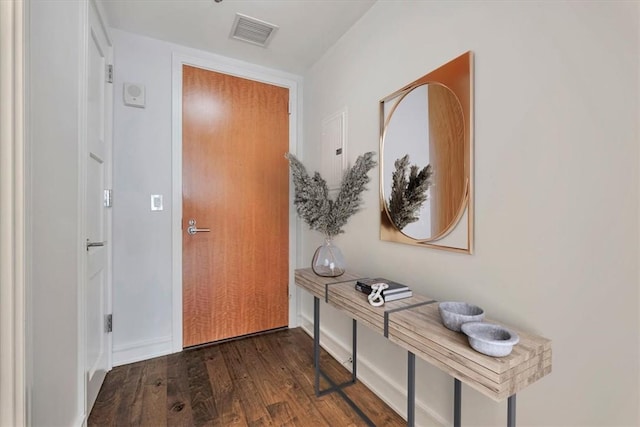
point(156, 202)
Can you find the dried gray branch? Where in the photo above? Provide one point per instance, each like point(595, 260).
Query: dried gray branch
point(312, 200)
point(408, 193)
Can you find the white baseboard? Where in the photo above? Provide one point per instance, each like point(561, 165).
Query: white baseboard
point(392, 393)
point(141, 350)
point(81, 421)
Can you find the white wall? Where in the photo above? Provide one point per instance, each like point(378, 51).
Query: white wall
point(142, 166)
point(556, 185)
point(142, 285)
point(55, 43)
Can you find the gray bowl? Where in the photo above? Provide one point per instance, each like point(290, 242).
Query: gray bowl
point(489, 339)
point(454, 314)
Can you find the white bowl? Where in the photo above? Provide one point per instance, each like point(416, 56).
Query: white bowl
point(454, 314)
point(489, 339)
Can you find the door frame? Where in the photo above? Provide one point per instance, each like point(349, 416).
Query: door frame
point(14, 178)
point(248, 71)
point(90, 7)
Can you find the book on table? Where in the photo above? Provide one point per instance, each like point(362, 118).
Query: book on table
point(393, 292)
point(364, 285)
point(396, 296)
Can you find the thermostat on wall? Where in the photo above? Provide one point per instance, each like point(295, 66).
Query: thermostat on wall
point(134, 95)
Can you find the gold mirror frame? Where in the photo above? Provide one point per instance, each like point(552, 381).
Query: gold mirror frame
point(457, 76)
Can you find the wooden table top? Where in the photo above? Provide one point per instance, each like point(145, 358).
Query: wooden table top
point(418, 329)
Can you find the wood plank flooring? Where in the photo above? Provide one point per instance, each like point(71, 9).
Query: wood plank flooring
point(264, 380)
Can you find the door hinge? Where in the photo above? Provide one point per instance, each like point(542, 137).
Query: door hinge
point(108, 323)
point(110, 73)
point(108, 198)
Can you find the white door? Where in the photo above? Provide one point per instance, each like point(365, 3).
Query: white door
point(97, 293)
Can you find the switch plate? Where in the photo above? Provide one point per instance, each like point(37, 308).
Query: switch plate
point(156, 202)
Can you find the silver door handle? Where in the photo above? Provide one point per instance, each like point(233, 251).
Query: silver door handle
point(192, 229)
point(94, 244)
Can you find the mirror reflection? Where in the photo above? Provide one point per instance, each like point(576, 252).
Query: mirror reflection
point(423, 164)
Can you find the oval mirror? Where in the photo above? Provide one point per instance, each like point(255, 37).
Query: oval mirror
point(424, 184)
point(426, 160)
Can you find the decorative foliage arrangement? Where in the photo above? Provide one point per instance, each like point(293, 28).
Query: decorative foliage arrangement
point(312, 195)
point(408, 193)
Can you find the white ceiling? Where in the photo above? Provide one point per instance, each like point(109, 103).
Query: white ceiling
point(308, 28)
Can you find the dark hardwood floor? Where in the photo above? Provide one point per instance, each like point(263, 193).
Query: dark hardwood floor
point(264, 380)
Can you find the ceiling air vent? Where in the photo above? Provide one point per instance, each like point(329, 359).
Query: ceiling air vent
point(252, 30)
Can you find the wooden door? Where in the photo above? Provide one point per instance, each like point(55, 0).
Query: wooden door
point(98, 155)
point(235, 182)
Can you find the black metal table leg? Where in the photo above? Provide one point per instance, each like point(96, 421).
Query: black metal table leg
point(457, 403)
point(316, 343)
point(411, 390)
point(333, 387)
point(354, 350)
point(511, 411)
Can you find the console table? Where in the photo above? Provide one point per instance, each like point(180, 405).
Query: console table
point(414, 324)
